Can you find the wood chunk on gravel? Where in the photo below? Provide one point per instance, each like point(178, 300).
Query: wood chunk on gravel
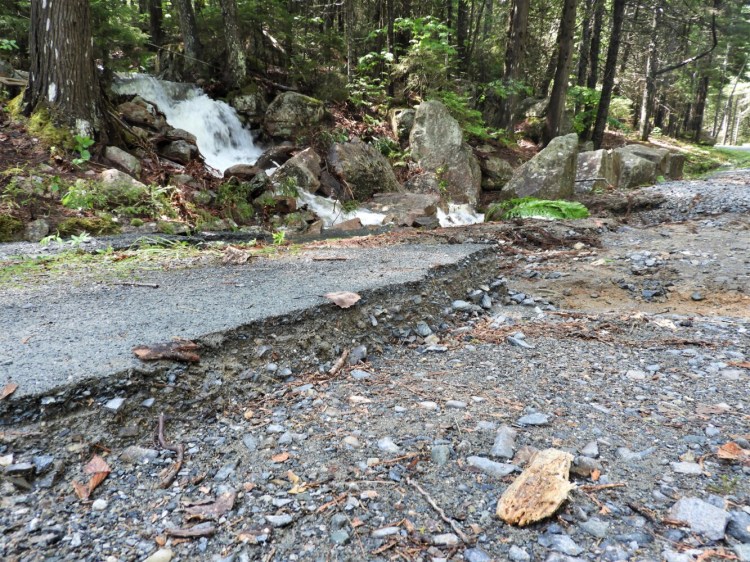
point(539, 491)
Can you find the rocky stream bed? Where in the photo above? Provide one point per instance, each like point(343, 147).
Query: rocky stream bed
point(389, 430)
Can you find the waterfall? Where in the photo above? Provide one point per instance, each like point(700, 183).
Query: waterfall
point(221, 138)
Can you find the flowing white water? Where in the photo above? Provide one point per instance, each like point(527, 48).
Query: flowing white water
point(331, 213)
point(221, 138)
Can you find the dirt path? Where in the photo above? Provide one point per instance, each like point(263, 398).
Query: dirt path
point(406, 417)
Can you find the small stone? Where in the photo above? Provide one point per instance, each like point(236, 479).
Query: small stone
point(697, 296)
point(42, 463)
point(461, 305)
point(147, 403)
point(385, 532)
point(340, 537)
point(731, 374)
point(352, 441)
point(455, 404)
point(687, 468)
point(225, 471)
point(585, 466)
point(423, 330)
point(591, 450)
point(285, 439)
point(712, 431)
point(534, 419)
point(519, 342)
point(447, 539)
point(518, 554)
point(743, 552)
point(702, 517)
point(115, 404)
point(250, 442)
point(161, 555)
point(358, 355)
point(595, 527)
point(440, 454)
point(560, 543)
point(135, 454)
point(477, 555)
point(279, 520)
point(387, 445)
point(360, 375)
point(492, 468)
point(505, 442)
point(428, 405)
point(635, 375)
point(275, 428)
point(739, 526)
point(99, 505)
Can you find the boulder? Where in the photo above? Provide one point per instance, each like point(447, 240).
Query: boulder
point(140, 112)
point(36, 230)
point(291, 114)
point(659, 156)
point(595, 171)
point(362, 169)
point(251, 106)
point(123, 159)
point(242, 171)
point(438, 146)
point(116, 178)
point(402, 121)
point(632, 170)
point(348, 225)
point(405, 209)
point(179, 151)
point(496, 172)
point(276, 155)
point(303, 170)
point(676, 165)
point(550, 174)
point(180, 134)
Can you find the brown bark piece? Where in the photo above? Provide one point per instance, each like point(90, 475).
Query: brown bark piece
point(539, 491)
point(182, 350)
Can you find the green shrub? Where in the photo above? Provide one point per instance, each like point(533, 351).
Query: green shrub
point(530, 207)
point(93, 225)
point(10, 228)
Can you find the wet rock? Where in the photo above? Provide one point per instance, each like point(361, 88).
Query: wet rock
point(550, 174)
point(505, 442)
point(438, 146)
point(179, 151)
point(244, 172)
point(702, 517)
point(492, 468)
point(124, 160)
point(362, 168)
point(301, 171)
point(276, 155)
point(250, 105)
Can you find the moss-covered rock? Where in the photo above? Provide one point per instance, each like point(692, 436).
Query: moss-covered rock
point(92, 225)
point(10, 228)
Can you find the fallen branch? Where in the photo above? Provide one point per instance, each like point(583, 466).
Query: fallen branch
point(597, 487)
point(441, 513)
point(171, 473)
point(130, 284)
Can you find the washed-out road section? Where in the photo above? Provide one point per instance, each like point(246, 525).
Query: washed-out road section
point(56, 336)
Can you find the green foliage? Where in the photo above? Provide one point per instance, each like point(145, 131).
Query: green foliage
point(118, 38)
point(81, 146)
point(530, 207)
point(504, 89)
point(126, 199)
point(471, 120)
point(92, 225)
point(233, 199)
point(10, 228)
point(8, 45)
point(42, 126)
point(279, 237)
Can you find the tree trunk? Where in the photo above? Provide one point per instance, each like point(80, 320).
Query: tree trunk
point(236, 64)
point(649, 86)
point(610, 69)
point(63, 77)
point(514, 58)
point(585, 49)
point(193, 49)
point(560, 86)
point(699, 106)
point(155, 16)
point(462, 32)
point(596, 42)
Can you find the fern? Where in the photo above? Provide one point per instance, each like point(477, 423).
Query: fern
point(530, 207)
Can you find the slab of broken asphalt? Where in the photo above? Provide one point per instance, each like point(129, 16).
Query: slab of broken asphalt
point(58, 338)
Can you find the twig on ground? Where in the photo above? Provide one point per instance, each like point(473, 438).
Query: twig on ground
point(597, 487)
point(441, 513)
point(133, 284)
point(171, 473)
point(339, 363)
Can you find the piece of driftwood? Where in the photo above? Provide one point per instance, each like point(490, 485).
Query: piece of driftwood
point(539, 491)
